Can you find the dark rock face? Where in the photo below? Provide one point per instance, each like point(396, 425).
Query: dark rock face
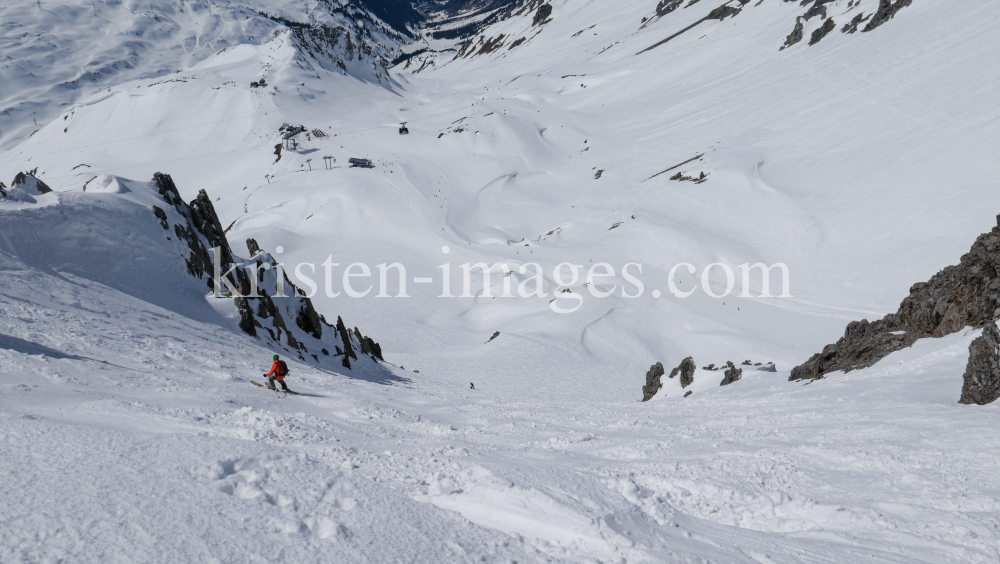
point(722, 12)
point(982, 374)
point(886, 11)
point(732, 374)
point(819, 33)
point(542, 14)
point(966, 294)
point(795, 36)
point(345, 336)
point(686, 370)
point(201, 230)
point(853, 25)
point(667, 6)
point(199, 261)
point(30, 182)
point(162, 216)
point(653, 383)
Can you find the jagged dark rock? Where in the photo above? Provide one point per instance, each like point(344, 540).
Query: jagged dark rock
point(732, 374)
point(853, 25)
point(199, 261)
point(162, 216)
point(248, 323)
point(962, 295)
point(886, 11)
point(686, 370)
point(795, 36)
point(653, 383)
point(722, 12)
point(542, 14)
point(982, 374)
point(30, 182)
point(819, 33)
point(817, 9)
point(667, 6)
point(346, 338)
point(308, 319)
point(201, 230)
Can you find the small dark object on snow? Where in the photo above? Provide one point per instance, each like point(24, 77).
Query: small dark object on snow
point(689, 393)
point(768, 368)
point(472, 385)
point(361, 163)
point(495, 335)
point(403, 129)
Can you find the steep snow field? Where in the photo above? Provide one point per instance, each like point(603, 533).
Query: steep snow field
point(864, 162)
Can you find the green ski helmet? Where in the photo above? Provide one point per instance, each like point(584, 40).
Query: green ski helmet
point(275, 357)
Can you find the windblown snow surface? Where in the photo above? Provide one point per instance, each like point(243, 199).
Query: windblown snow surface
point(865, 162)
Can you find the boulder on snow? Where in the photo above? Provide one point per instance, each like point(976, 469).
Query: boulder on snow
point(653, 383)
point(686, 370)
point(732, 374)
point(982, 374)
point(962, 295)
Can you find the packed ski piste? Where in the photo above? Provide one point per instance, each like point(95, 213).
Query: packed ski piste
point(512, 281)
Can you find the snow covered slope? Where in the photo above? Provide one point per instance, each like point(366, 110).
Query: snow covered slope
point(55, 54)
point(572, 131)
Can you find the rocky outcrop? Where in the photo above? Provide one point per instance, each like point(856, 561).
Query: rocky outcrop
point(653, 383)
point(962, 295)
point(852, 26)
point(542, 15)
point(686, 371)
point(270, 306)
point(346, 339)
point(28, 182)
point(732, 374)
point(795, 36)
point(819, 33)
point(982, 374)
point(886, 11)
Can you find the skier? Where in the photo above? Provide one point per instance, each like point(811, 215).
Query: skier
point(278, 372)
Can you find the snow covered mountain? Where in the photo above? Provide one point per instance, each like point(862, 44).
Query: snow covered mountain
point(615, 163)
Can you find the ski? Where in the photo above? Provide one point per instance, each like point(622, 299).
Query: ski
point(280, 393)
point(286, 392)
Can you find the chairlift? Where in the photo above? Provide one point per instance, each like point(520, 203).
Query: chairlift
point(403, 130)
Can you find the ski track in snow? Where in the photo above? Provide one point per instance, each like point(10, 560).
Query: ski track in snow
point(130, 431)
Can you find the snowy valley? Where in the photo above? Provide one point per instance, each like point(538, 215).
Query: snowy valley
point(621, 188)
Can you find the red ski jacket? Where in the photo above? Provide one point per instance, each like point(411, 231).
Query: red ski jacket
point(275, 371)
